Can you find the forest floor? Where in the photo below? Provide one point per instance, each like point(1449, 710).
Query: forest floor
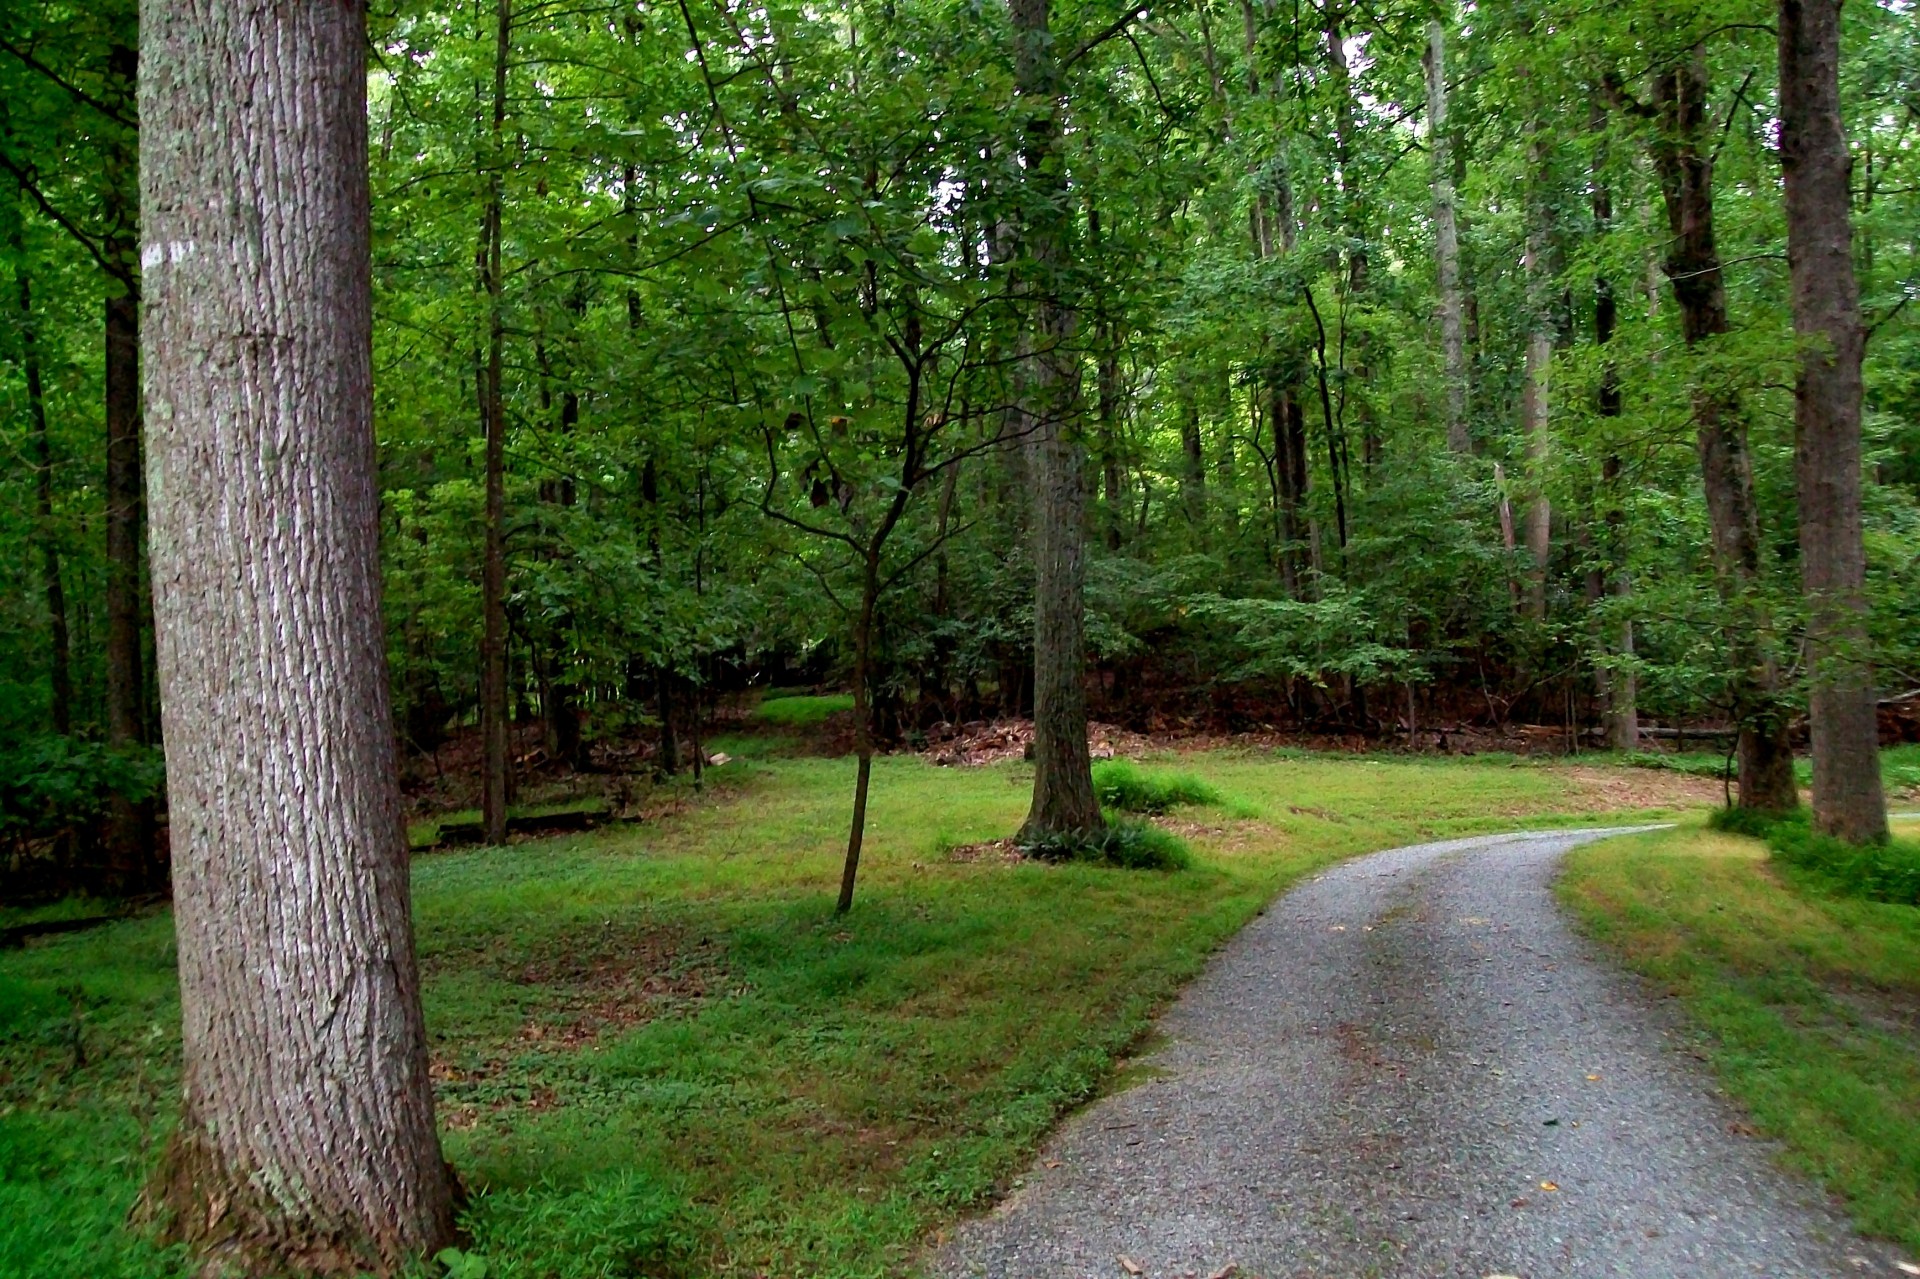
point(1410, 1066)
point(658, 1050)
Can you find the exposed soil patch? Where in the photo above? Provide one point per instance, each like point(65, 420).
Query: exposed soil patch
point(982, 742)
point(581, 988)
point(992, 852)
point(1596, 789)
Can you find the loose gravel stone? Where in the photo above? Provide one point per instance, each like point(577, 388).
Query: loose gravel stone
point(1409, 1066)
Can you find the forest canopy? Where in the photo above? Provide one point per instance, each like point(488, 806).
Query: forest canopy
point(1405, 359)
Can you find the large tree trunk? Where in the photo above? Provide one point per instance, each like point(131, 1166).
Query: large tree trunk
point(1446, 238)
point(1848, 798)
point(494, 703)
point(306, 1138)
point(129, 834)
point(1063, 798)
point(1726, 465)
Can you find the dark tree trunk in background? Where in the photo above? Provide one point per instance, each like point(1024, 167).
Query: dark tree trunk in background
point(130, 831)
point(494, 725)
point(1619, 687)
point(60, 660)
point(1535, 415)
point(1063, 798)
point(1446, 238)
point(1685, 168)
point(306, 1139)
point(1849, 800)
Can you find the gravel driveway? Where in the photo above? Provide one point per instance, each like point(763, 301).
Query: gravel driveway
point(1410, 1066)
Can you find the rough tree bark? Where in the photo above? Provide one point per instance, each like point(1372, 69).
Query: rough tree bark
point(1848, 798)
point(494, 708)
point(1685, 169)
point(1063, 798)
point(1446, 237)
point(306, 1139)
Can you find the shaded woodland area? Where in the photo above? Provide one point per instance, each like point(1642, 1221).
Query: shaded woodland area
point(504, 389)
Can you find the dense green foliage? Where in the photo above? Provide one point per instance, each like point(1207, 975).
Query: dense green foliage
point(1888, 872)
point(748, 256)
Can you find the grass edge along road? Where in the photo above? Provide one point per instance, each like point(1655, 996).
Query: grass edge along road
point(658, 1052)
point(1807, 1005)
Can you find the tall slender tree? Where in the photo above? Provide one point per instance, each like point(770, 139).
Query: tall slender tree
point(306, 1139)
point(1063, 798)
point(1848, 798)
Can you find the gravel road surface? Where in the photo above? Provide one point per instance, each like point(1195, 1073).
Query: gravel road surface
point(1410, 1066)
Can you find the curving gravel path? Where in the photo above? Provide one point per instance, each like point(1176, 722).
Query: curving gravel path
point(1409, 1066)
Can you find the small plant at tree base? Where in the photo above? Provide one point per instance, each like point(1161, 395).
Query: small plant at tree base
point(1128, 845)
point(1120, 784)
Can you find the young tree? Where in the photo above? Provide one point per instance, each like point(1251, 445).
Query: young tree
point(306, 1138)
point(1848, 798)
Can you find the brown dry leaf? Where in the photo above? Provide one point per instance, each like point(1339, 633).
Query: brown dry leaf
point(1227, 1271)
point(1131, 1266)
point(1548, 1186)
point(1052, 1163)
point(1593, 1079)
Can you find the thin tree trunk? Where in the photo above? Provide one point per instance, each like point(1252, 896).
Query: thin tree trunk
point(1063, 798)
point(1726, 465)
point(129, 834)
point(1849, 800)
point(862, 728)
point(1534, 409)
point(305, 1139)
point(1446, 237)
point(60, 661)
point(1619, 685)
point(493, 644)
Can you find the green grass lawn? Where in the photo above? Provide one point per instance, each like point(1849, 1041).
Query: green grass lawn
point(801, 710)
point(1809, 1006)
point(659, 1052)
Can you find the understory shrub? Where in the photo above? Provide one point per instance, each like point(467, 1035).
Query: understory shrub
point(1888, 872)
point(1122, 785)
point(1129, 845)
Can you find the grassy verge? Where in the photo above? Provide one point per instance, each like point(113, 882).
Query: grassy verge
point(1809, 1005)
point(659, 1052)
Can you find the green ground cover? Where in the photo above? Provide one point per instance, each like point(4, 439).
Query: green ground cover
point(659, 1052)
point(1808, 1004)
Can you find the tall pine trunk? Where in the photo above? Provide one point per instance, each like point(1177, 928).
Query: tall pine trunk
point(305, 1139)
point(1618, 684)
point(1535, 417)
point(1726, 464)
point(1063, 798)
point(1848, 798)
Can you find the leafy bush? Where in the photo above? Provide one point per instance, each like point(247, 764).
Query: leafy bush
point(1120, 784)
point(50, 784)
point(1126, 844)
point(1888, 872)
